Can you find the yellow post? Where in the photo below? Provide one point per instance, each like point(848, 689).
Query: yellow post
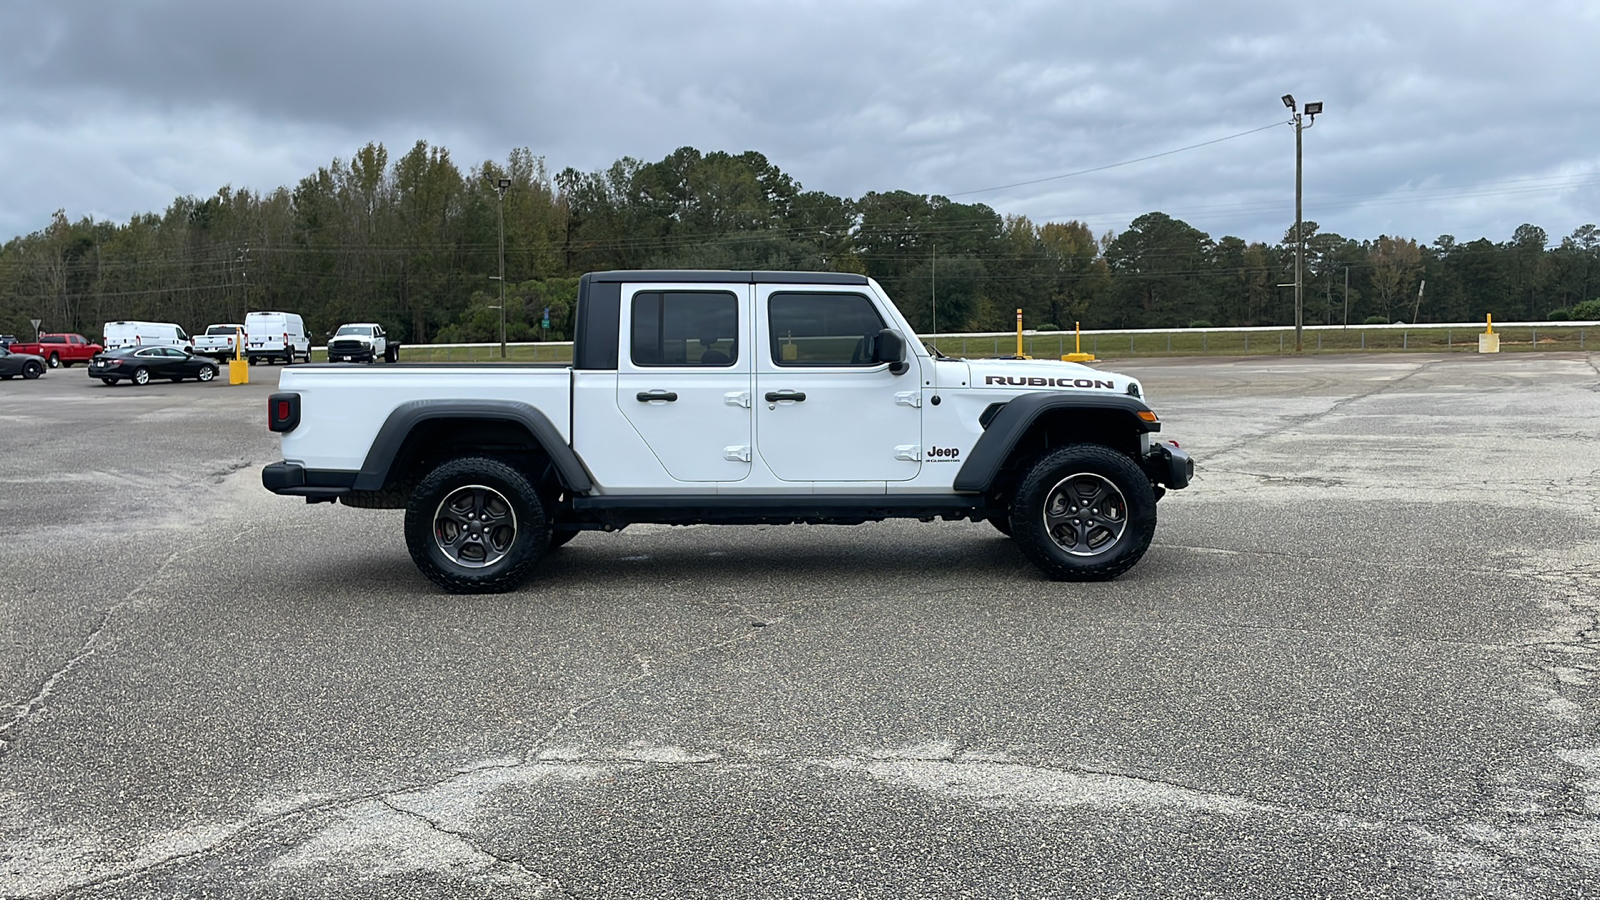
point(1489, 342)
point(238, 369)
point(1019, 334)
point(1077, 354)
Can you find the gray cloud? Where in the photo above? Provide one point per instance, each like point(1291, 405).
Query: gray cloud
point(1434, 109)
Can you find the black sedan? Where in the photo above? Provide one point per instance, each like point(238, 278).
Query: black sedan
point(141, 364)
point(14, 364)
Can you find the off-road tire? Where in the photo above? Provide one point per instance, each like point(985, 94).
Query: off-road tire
point(529, 522)
point(1122, 517)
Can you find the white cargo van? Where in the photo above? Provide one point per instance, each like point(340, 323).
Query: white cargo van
point(276, 335)
point(145, 334)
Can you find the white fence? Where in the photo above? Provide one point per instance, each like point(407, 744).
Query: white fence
point(1005, 341)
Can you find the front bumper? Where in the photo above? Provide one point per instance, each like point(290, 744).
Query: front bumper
point(1167, 465)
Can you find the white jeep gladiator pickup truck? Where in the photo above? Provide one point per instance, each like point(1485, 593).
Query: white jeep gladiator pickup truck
point(711, 397)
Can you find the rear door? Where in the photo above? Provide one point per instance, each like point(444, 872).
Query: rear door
point(825, 411)
point(684, 377)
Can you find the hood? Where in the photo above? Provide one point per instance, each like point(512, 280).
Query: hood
point(1015, 375)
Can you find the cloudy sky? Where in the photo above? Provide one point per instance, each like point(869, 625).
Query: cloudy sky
point(1467, 117)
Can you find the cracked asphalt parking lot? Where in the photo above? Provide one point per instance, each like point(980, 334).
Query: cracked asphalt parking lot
point(1359, 660)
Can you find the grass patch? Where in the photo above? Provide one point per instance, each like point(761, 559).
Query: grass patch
point(1122, 345)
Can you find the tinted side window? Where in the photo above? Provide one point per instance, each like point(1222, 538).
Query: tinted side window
point(685, 328)
point(52, 339)
point(822, 329)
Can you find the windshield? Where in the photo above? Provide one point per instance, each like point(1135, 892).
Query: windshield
point(363, 330)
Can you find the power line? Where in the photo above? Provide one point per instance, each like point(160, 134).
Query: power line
point(1127, 162)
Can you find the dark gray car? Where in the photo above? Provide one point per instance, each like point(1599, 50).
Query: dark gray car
point(14, 364)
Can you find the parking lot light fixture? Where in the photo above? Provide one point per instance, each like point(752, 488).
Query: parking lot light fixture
point(1312, 110)
point(500, 190)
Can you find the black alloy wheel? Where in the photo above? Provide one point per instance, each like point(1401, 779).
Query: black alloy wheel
point(475, 525)
point(1084, 512)
point(31, 370)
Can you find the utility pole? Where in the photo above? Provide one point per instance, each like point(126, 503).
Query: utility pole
point(1347, 296)
point(500, 189)
point(1312, 109)
point(935, 288)
point(244, 281)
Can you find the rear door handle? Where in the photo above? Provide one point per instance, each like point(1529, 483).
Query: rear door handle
point(647, 396)
point(775, 396)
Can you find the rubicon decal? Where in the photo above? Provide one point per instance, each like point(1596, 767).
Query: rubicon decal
point(1015, 381)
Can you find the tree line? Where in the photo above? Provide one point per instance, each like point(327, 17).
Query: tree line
point(414, 243)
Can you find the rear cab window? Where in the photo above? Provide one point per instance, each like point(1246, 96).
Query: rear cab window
point(684, 328)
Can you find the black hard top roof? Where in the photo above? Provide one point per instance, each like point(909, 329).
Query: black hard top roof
point(725, 276)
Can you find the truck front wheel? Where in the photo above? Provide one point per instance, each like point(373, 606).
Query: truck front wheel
point(475, 525)
point(1084, 513)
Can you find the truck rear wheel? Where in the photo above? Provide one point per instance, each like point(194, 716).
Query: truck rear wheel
point(475, 525)
point(1084, 513)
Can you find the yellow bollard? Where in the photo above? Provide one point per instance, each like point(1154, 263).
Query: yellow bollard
point(1020, 354)
point(238, 368)
point(1489, 342)
point(1077, 355)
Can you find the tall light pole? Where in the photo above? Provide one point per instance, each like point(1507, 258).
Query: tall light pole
point(1312, 109)
point(500, 189)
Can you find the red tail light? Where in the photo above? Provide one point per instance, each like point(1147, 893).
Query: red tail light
point(283, 412)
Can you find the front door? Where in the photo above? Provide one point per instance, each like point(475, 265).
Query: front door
point(683, 378)
point(825, 411)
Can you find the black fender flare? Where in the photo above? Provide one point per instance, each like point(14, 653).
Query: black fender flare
point(374, 474)
point(1015, 417)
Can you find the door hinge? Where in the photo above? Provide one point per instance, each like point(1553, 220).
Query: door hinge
point(912, 452)
point(908, 398)
point(737, 398)
point(736, 454)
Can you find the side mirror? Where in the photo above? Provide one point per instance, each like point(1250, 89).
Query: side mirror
point(889, 347)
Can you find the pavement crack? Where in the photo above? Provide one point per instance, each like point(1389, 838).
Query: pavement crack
point(466, 840)
point(90, 645)
point(1294, 422)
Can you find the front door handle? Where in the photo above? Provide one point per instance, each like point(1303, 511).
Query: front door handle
point(775, 396)
point(647, 396)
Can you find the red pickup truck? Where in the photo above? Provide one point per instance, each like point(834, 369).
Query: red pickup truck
point(60, 349)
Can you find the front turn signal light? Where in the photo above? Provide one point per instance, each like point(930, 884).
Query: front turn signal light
point(1148, 415)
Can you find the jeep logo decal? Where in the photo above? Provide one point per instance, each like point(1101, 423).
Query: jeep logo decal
point(1014, 381)
point(943, 452)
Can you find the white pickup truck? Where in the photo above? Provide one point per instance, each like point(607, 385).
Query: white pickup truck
point(219, 341)
point(362, 342)
point(728, 398)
